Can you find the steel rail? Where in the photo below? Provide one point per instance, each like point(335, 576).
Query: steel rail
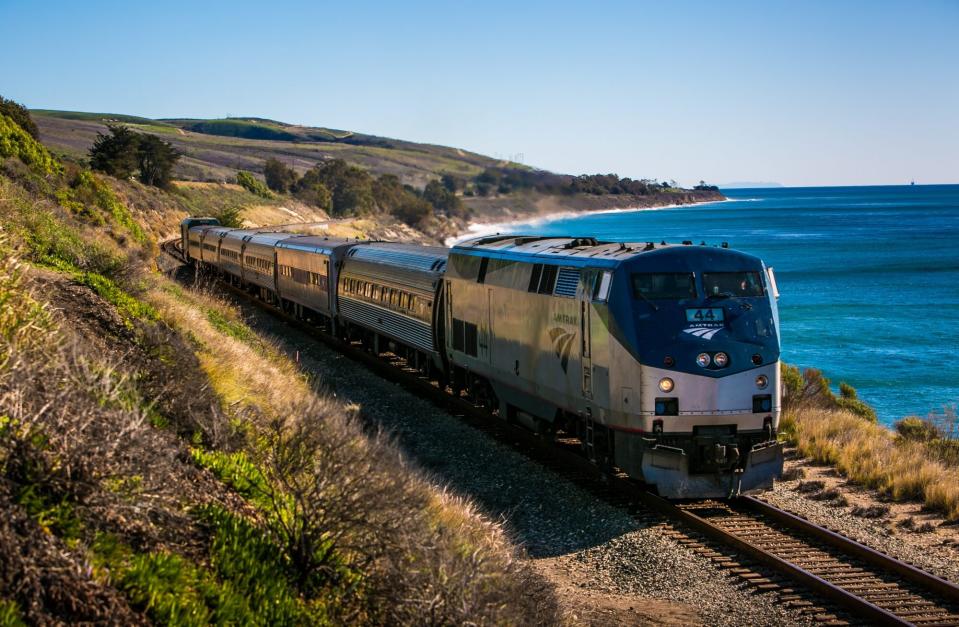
point(849, 546)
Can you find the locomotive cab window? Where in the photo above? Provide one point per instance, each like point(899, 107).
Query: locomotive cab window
point(663, 285)
point(601, 286)
point(733, 284)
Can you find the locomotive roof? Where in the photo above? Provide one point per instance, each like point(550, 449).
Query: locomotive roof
point(315, 243)
point(410, 256)
point(585, 250)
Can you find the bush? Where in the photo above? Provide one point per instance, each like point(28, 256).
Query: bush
point(253, 185)
point(915, 428)
point(279, 177)
point(88, 190)
point(20, 115)
point(230, 217)
point(18, 143)
point(810, 389)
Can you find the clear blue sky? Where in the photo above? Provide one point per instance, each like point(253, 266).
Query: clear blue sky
point(803, 93)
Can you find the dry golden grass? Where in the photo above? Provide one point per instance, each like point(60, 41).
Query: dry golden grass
point(425, 551)
point(874, 456)
point(243, 369)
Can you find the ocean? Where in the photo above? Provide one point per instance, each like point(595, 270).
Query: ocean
point(868, 276)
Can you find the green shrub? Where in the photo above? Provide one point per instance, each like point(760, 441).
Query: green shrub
point(915, 428)
point(237, 471)
point(252, 184)
point(810, 389)
point(10, 614)
point(230, 217)
point(88, 189)
point(129, 307)
point(170, 589)
point(255, 567)
point(16, 142)
point(19, 114)
point(236, 330)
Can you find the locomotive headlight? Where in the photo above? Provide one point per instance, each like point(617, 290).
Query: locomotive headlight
point(666, 385)
point(762, 382)
point(721, 360)
point(702, 359)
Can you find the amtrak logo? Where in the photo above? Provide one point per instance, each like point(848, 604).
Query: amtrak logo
point(562, 344)
point(706, 334)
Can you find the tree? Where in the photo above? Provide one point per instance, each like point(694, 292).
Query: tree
point(279, 177)
point(156, 159)
point(442, 199)
point(116, 153)
point(388, 192)
point(451, 183)
point(413, 210)
point(350, 186)
point(313, 192)
point(252, 184)
point(19, 114)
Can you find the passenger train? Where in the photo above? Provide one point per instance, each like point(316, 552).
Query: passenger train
point(662, 358)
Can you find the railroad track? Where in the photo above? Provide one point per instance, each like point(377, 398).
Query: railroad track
point(768, 547)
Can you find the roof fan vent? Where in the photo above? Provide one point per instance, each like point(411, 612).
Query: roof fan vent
point(581, 241)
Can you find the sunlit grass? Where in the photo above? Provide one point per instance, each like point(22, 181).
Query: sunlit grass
point(874, 456)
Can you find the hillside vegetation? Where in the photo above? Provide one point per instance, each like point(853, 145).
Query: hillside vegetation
point(162, 462)
point(919, 461)
point(215, 149)
point(421, 181)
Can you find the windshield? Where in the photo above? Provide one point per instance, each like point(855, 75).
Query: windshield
point(664, 285)
point(734, 284)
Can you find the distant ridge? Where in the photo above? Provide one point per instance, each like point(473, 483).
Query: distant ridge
point(748, 184)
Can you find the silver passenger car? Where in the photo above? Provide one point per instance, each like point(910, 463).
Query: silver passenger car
point(259, 260)
point(307, 268)
point(392, 291)
point(190, 239)
point(231, 252)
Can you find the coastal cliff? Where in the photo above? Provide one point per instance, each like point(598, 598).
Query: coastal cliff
point(532, 204)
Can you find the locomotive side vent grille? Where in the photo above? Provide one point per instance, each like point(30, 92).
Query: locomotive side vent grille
point(566, 282)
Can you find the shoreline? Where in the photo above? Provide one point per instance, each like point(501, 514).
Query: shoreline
point(477, 229)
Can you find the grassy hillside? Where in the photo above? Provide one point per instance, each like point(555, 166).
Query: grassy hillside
point(215, 149)
point(161, 462)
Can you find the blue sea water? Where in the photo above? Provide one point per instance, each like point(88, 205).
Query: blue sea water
point(869, 278)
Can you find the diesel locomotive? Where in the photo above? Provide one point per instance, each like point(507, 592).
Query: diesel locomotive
point(663, 359)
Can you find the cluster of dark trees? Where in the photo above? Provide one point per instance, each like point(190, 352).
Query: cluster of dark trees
point(123, 153)
point(504, 180)
point(19, 114)
point(705, 187)
point(347, 190)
